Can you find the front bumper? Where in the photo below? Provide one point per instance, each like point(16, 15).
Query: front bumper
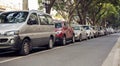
point(57, 39)
point(10, 42)
point(77, 37)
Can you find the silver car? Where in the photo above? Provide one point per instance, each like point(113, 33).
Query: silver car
point(23, 30)
point(80, 32)
point(89, 30)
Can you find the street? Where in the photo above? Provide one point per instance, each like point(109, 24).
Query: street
point(90, 52)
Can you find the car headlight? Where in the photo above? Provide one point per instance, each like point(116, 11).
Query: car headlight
point(10, 33)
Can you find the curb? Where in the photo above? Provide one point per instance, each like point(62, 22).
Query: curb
point(113, 59)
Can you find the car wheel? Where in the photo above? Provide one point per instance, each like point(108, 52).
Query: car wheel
point(25, 48)
point(64, 41)
point(50, 44)
point(73, 39)
point(90, 36)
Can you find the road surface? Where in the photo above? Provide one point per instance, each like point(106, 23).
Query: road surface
point(91, 52)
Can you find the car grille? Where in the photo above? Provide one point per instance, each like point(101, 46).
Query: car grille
point(3, 40)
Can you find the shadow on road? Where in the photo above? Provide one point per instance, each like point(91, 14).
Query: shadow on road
point(6, 53)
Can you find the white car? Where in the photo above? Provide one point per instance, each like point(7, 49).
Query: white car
point(89, 30)
point(95, 31)
point(101, 31)
point(80, 32)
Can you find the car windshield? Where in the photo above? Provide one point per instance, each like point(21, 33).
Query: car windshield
point(13, 17)
point(58, 25)
point(76, 28)
point(86, 27)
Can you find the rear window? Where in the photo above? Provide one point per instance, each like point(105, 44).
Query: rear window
point(86, 27)
point(58, 25)
point(76, 28)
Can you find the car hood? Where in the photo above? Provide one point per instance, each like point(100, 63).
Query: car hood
point(9, 27)
point(77, 31)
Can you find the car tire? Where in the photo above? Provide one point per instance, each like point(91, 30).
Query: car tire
point(90, 36)
point(50, 44)
point(25, 47)
point(73, 39)
point(64, 41)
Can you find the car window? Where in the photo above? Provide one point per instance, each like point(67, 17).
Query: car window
point(46, 20)
point(76, 28)
point(58, 25)
point(43, 20)
point(13, 17)
point(33, 18)
point(86, 27)
point(50, 21)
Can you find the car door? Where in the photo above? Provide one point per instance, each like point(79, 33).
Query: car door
point(32, 29)
point(46, 28)
point(68, 30)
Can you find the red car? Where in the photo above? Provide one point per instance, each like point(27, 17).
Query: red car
point(64, 32)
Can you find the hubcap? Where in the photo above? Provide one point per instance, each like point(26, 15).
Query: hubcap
point(73, 39)
point(64, 41)
point(50, 43)
point(26, 48)
point(80, 38)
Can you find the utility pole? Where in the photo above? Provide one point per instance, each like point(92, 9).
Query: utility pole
point(25, 5)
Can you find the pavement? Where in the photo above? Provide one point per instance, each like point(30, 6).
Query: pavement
point(113, 58)
point(91, 52)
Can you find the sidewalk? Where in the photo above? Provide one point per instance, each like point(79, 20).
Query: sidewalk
point(113, 58)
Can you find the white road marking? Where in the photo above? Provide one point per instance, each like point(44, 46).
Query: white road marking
point(10, 59)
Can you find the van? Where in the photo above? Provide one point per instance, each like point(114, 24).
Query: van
point(23, 30)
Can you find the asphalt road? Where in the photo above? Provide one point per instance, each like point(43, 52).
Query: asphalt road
point(92, 52)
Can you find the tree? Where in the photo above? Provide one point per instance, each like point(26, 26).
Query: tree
point(47, 6)
point(97, 11)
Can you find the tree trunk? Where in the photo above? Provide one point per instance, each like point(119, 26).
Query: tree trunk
point(49, 6)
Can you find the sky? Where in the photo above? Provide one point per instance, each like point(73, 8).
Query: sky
point(33, 4)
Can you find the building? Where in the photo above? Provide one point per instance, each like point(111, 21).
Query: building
point(7, 5)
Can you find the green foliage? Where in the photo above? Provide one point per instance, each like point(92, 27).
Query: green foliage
point(98, 11)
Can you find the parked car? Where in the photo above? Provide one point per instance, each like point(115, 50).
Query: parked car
point(101, 31)
point(95, 31)
point(89, 30)
point(64, 32)
point(80, 32)
point(112, 30)
point(23, 30)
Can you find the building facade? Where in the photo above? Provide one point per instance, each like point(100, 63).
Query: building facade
point(7, 5)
